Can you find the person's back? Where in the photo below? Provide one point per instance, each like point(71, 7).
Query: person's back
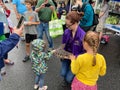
point(87, 73)
point(88, 66)
point(87, 20)
point(38, 58)
point(20, 6)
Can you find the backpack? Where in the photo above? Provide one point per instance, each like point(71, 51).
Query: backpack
point(105, 39)
point(95, 19)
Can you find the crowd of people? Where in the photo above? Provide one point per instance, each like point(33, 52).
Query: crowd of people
point(84, 65)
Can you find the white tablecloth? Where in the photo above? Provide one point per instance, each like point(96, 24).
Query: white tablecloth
point(115, 28)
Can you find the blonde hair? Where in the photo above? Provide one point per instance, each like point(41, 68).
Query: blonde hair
point(92, 38)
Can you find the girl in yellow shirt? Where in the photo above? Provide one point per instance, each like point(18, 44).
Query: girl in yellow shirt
point(88, 66)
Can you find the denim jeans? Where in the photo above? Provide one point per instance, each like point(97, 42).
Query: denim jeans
point(66, 71)
point(44, 27)
point(39, 80)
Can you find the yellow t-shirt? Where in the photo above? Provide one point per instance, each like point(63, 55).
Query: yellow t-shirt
point(85, 72)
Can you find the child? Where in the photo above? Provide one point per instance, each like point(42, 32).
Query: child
point(62, 10)
point(38, 57)
point(31, 22)
point(88, 66)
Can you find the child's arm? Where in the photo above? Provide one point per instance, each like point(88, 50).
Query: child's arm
point(16, 12)
point(49, 54)
point(33, 23)
point(103, 68)
point(75, 65)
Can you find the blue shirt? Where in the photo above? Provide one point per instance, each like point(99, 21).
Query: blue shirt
point(21, 8)
point(87, 19)
point(74, 45)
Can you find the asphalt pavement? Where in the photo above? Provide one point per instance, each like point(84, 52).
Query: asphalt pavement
point(21, 77)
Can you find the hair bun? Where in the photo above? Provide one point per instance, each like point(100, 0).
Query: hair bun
point(79, 11)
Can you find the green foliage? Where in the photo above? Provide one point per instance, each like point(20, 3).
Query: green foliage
point(112, 20)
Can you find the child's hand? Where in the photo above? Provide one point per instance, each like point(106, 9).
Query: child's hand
point(72, 57)
point(53, 51)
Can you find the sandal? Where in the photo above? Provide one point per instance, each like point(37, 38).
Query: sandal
point(9, 62)
point(3, 73)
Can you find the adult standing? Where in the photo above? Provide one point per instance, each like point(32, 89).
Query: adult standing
point(45, 9)
point(87, 20)
point(102, 17)
point(8, 44)
point(4, 14)
point(19, 7)
point(72, 42)
point(92, 3)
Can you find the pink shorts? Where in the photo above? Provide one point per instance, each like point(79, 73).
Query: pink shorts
point(77, 85)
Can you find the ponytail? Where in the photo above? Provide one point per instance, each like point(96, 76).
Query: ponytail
point(94, 55)
point(92, 39)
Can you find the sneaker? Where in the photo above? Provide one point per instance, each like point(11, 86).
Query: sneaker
point(64, 83)
point(36, 86)
point(8, 62)
point(44, 87)
point(40, 89)
point(3, 73)
point(26, 59)
point(22, 38)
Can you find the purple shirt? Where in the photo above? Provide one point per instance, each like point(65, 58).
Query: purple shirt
point(74, 45)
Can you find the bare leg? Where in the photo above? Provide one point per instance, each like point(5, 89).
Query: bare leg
point(28, 49)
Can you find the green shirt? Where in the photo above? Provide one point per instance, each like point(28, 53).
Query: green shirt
point(45, 13)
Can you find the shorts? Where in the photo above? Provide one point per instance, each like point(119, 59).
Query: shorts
point(77, 85)
point(100, 27)
point(30, 37)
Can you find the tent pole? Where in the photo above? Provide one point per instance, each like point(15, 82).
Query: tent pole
point(70, 5)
